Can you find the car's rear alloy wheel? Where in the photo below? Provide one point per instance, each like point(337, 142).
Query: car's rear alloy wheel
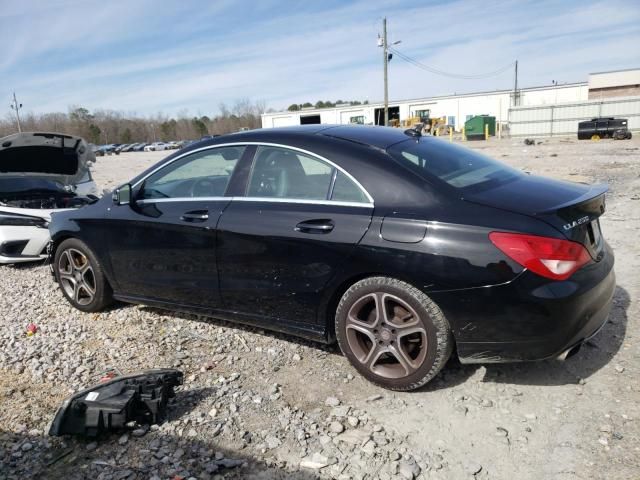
point(392, 333)
point(80, 276)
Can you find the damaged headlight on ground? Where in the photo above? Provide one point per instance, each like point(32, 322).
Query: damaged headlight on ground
point(109, 406)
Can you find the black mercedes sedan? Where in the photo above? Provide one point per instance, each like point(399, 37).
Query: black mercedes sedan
point(400, 247)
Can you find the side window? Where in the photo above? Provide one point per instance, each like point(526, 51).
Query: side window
point(282, 173)
point(201, 174)
point(345, 190)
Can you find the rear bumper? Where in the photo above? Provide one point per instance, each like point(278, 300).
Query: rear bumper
point(530, 318)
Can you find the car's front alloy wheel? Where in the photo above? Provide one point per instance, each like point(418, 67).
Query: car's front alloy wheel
point(392, 333)
point(80, 276)
point(77, 278)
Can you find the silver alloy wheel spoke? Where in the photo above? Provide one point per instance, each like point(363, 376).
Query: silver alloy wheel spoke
point(76, 292)
point(381, 311)
point(401, 322)
point(87, 287)
point(68, 277)
point(403, 359)
point(364, 330)
point(361, 353)
point(356, 308)
point(403, 332)
point(69, 263)
point(373, 356)
point(84, 268)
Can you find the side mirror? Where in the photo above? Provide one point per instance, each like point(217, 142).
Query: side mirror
point(122, 195)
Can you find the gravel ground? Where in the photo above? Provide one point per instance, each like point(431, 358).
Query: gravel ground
point(262, 405)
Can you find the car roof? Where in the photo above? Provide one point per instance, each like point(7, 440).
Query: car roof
point(373, 136)
point(379, 137)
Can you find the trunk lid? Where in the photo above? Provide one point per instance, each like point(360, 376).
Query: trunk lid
point(572, 208)
point(50, 156)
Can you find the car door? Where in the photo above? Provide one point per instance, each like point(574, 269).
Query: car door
point(162, 245)
point(281, 243)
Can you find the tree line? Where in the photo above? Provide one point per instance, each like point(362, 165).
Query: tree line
point(110, 126)
point(294, 107)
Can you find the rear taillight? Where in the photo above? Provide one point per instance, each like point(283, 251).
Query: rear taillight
point(549, 257)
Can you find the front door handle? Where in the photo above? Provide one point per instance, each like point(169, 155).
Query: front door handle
point(315, 226)
point(195, 216)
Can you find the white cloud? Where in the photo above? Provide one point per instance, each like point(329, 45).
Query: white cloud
point(135, 57)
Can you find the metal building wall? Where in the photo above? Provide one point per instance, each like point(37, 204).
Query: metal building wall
point(562, 119)
point(459, 107)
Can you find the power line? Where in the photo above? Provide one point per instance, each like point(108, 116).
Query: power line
point(437, 71)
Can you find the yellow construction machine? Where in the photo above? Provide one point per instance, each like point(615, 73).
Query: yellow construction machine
point(430, 125)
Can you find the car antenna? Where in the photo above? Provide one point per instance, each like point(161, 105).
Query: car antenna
point(415, 131)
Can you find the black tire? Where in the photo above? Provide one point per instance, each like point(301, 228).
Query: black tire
point(81, 277)
point(419, 312)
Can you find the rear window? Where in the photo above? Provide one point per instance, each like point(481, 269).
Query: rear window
point(459, 167)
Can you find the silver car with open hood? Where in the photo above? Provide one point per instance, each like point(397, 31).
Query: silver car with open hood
point(40, 173)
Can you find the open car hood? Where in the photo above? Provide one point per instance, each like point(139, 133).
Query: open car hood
point(51, 156)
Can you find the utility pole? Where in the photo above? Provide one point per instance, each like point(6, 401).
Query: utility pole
point(382, 42)
point(385, 52)
point(16, 106)
point(515, 87)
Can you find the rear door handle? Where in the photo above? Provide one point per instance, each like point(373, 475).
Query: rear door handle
point(315, 226)
point(195, 216)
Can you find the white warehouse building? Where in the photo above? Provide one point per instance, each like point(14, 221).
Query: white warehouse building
point(459, 108)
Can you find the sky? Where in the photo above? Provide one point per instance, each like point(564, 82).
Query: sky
point(189, 56)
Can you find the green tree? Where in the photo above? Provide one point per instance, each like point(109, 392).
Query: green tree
point(81, 114)
point(200, 126)
point(320, 104)
point(307, 105)
point(294, 107)
point(126, 136)
point(94, 133)
point(168, 129)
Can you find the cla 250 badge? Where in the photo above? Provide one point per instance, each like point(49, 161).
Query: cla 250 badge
point(575, 223)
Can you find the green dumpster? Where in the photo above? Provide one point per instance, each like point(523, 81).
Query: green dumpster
point(474, 127)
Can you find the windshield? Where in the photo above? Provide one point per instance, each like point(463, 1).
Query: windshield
point(459, 167)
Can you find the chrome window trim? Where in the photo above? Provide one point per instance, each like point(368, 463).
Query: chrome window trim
point(258, 199)
point(302, 201)
point(183, 199)
point(269, 144)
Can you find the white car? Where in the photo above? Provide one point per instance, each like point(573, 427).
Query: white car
point(155, 147)
point(40, 173)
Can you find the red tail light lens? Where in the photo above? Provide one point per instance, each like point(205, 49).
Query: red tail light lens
point(549, 257)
